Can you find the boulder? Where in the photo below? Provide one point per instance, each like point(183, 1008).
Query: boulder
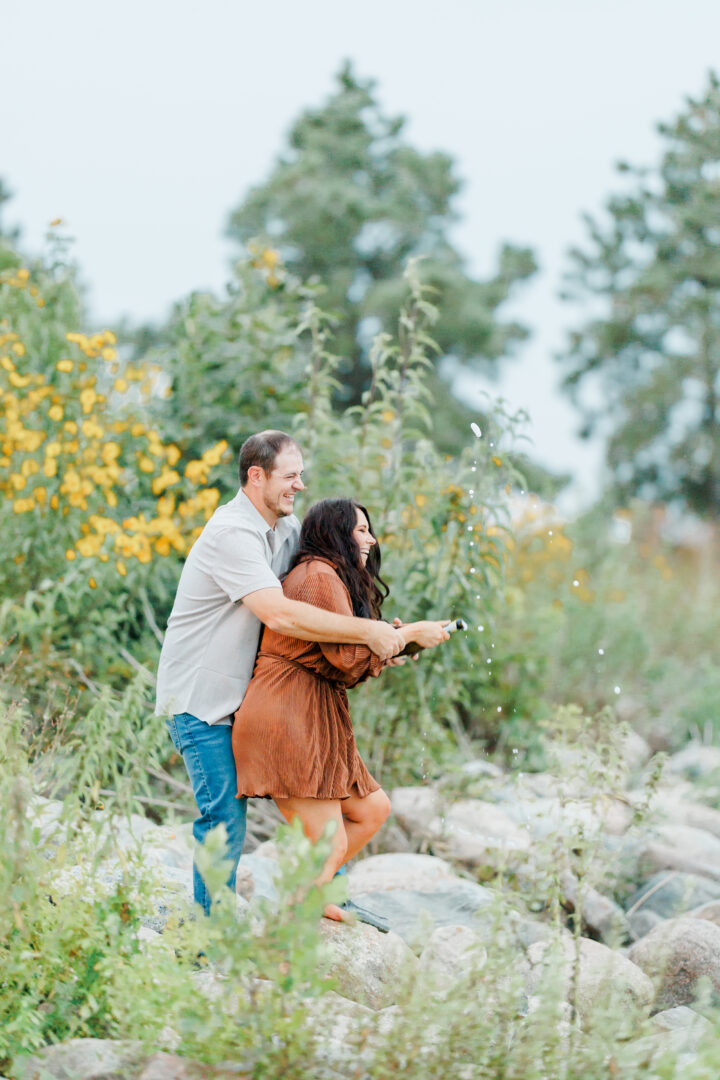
point(677, 954)
point(414, 913)
point(709, 911)
point(603, 975)
point(683, 848)
point(451, 952)
point(682, 811)
point(415, 807)
point(641, 922)
point(368, 967)
point(689, 1023)
point(481, 767)
point(555, 816)
point(598, 912)
point(694, 761)
point(379, 873)
point(80, 1059)
point(478, 833)
point(256, 876)
point(672, 893)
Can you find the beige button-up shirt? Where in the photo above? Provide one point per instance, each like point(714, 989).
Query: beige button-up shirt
point(212, 638)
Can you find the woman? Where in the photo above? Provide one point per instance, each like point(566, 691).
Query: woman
point(292, 737)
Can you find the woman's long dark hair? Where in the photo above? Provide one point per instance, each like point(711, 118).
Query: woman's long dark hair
point(327, 533)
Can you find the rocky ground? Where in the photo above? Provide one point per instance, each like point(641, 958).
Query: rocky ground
point(488, 856)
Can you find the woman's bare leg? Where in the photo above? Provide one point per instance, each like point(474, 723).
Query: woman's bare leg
point(363, 817)
point(315, 815)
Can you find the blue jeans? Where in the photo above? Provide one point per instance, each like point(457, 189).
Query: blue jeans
point(207, 753)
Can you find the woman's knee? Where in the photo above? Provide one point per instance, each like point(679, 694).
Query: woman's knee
point(381, 807)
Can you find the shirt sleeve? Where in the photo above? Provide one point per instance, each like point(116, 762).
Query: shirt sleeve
point(240, 566)
point(356, 662)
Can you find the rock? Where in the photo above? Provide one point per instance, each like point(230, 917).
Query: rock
point(415, 807)
point(634, 750)
point(682, 1019)
point(683, 848)
point(367, 966)
point(709, 911)
point(678, 953)
point(599, 913)
point(602, 975)
point(679, 811)
point(391, 838)
point(413, 914)
point(695, 761)
point(554, 816)
point(669, 894)
point(379, 873)
point(642, 922)
point(451, 952)
point(256, 876)
point(80, 1059)
point(267, 850)
point(162, 1066)
point(478, 833)
point(481, 767)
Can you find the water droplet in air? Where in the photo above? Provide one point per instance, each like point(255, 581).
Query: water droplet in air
point(549, 532)
point(616, 689)
point(499, 708)
point(474, 468)
point(575, 583)
point(472, 569)
point(601, 652)
point(480, 627)
point(471, 491)
point(489, 660)
point(472, 543)
point(515, 752)
point(476, 430)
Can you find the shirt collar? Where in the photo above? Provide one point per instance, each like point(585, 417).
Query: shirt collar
point(283, 527)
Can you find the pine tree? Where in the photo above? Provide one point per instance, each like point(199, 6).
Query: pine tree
point(650, 355)
point(349, 202)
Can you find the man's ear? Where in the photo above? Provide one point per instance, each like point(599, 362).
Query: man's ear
point(255, 474)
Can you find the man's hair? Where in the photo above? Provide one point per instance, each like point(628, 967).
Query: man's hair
point(262, 449)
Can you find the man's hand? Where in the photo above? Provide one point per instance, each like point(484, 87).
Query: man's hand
point(385, 641)
point(428, 633)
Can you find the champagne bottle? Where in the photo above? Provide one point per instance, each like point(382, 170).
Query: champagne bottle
point(412, 647)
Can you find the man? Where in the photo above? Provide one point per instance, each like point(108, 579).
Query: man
point(228, 588)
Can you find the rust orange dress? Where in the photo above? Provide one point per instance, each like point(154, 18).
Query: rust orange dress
point(292, 735)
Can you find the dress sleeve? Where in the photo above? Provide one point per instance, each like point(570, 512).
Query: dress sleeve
point(354, 662)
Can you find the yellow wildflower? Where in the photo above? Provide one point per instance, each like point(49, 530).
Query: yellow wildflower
point(70, 555)
point(119, 384)
point(88, 398)
point(121, 567)
point(166, 478)
point(65, 365)
point(109, 354)
point(18, 348)
point(55, 412)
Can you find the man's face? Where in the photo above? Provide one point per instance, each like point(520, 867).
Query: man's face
point(280, 486)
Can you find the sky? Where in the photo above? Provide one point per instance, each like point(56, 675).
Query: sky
point(142, 124)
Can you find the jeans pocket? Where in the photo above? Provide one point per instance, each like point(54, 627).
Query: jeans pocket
point(173, 731)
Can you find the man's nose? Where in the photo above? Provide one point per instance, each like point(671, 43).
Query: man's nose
point(298, 484)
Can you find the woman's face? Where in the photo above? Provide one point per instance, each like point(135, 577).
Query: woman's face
point(362, 535)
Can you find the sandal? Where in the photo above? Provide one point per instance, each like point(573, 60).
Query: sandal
point(366, 916)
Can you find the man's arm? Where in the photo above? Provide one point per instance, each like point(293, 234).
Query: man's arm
point(309, 623)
